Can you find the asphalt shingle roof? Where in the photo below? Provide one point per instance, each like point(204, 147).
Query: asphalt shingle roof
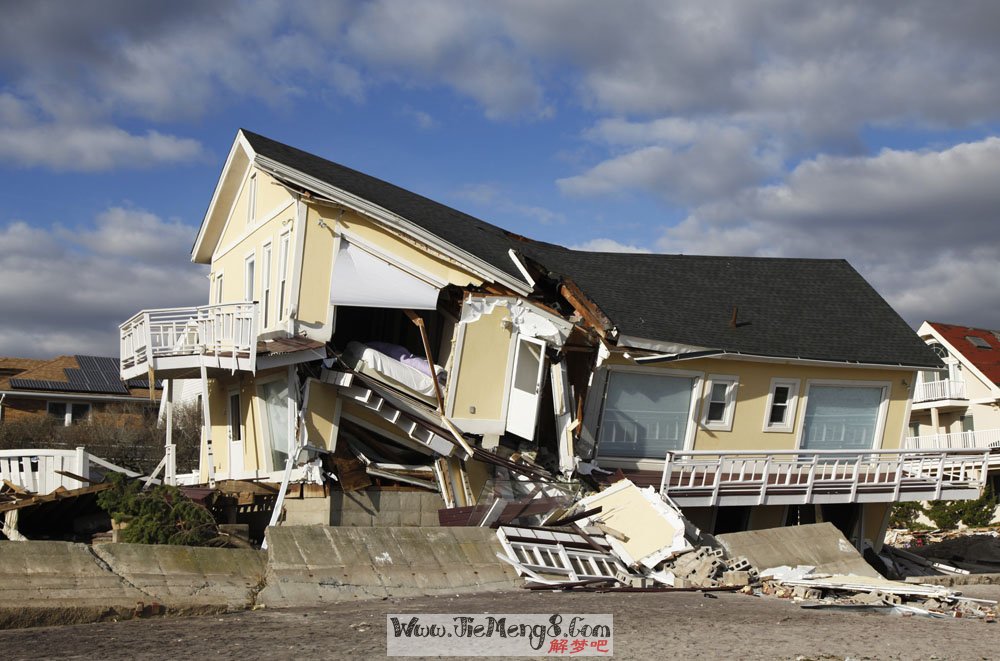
point(793, 308)
point(819, 309)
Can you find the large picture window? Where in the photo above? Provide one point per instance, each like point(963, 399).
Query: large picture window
point(645, 415)
point(842, 417)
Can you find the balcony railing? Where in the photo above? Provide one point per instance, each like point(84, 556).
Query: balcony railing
point(963, 440)
point(228, 330)
point(710, 478)
point(927, 391)
point(43, 471)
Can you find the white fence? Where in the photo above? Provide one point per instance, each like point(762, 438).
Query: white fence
point(931, 390)
point(963, 440)
point(227, 330)
point(707, 478)
point(43, 471)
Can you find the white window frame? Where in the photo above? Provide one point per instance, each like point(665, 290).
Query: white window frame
point(68, 415)
point(248, 277)
point(791, 405)
point(265, 286)
point(732, 386)
point(284, 245)
point(265, 430)
point(653, 463)
point(883, 409)
point(218, 288)
point(252, 199)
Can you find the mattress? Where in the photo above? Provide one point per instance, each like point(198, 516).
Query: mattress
point(374, 363)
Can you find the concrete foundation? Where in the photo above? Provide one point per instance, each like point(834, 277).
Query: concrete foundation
point(375, 508)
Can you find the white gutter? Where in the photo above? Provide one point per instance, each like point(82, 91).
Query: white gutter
point(480, 267)
point(57, 394)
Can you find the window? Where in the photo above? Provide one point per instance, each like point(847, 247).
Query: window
point(218, 288)
point(265, 288)
point(720, 401)
point(252, 198)
point(235, 424)
point(978, 342)
point(967, 424)
point(645, 415)
point(69, 413)
point(843, 417)
point(779, 415)
point(248, 276)
point(282, 272)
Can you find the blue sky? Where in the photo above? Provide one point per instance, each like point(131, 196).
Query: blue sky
point(860, 130)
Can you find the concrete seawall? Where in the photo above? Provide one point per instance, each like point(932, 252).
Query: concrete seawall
point(43, 583)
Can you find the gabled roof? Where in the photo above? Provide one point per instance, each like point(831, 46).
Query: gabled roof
point(785, 308)
point(818, 309)
point(985, 360)
point(74, 374)
point(488, 242)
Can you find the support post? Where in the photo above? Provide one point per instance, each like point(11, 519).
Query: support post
point(206, 429)
point(170, 474)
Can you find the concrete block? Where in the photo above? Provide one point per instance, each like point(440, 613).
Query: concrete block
point(734, 578)
point(820, 545)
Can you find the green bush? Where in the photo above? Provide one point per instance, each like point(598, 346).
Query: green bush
point(973, 513)
point(161, 515)
point(905, 515)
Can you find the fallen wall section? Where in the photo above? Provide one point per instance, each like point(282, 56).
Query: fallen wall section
point(819, 545)
point(310, 565)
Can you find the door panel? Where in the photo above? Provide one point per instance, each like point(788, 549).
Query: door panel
point(526, 386)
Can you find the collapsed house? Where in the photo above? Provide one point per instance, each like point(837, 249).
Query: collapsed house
point(359, 336)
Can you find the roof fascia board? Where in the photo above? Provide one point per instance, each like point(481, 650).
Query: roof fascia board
point(58, 394)
point(928, 329)
point(397, 222)
point(677, 351)
point(239, 143)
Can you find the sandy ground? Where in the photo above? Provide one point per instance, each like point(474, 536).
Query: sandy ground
point(647, 626)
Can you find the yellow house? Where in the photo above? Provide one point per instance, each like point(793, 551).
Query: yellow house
point(358, 333)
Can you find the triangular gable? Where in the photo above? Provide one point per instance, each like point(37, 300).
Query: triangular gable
point(952, 338)
point(240, 158)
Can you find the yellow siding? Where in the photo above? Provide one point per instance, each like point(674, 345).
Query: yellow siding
point(751, 400)
point(321, 414)
point(317, 259)
point(482, 368)
point(239, 241)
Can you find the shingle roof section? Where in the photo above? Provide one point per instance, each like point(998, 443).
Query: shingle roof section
point(487, 242)
point(986, 361)
point(80, 374)
point(819, 309)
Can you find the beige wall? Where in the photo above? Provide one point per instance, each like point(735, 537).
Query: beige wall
point(482, 361)
point(752, 393)
point(322, 414)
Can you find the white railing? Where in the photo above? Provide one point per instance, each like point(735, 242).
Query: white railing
point(803, 476)
point(44, 471)
point(229, 329)
point(946, 389)
point(963, 440)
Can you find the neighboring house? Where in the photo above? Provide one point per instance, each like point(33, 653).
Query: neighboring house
point(68, 388)
point(958, 406)
point(349, 316)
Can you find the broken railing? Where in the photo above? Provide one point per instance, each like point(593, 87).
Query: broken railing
point(962, 440)
point(44, 471)
point(226, 330)
point(710, 478)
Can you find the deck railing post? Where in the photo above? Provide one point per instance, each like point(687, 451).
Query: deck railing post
point(82, 467)
point(665, 478)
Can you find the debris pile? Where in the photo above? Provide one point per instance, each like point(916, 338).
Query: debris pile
point(620, 538)
point(937, 552)
point(804, 583)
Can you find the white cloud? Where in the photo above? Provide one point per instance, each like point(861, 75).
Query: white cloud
point(608, 245)
point(71, 287)
point(918, 224)
point(90, 148)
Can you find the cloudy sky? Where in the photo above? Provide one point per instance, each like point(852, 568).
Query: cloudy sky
point(868, 131)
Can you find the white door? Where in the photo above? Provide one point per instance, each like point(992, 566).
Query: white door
point(525, 386)
point(235, 437)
